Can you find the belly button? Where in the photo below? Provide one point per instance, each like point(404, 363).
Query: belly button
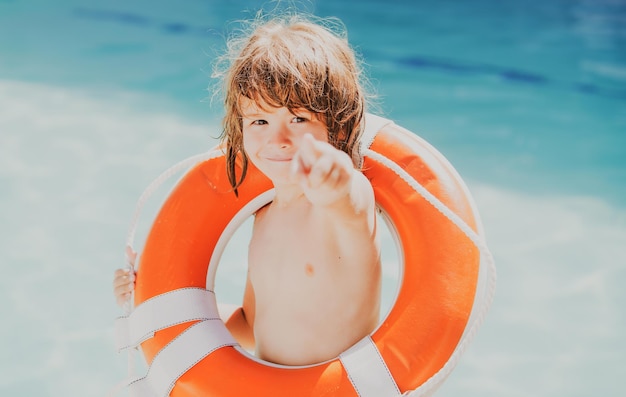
point(309, 270)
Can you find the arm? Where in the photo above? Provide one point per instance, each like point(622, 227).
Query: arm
point(330, 182)
point(240, 322)
point(235, 317)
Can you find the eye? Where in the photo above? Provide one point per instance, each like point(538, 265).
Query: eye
point(258, 122)
point(299, 119)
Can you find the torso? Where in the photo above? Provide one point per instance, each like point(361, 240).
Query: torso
point(316, 291)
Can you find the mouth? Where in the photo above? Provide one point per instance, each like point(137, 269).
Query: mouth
point(279, 159)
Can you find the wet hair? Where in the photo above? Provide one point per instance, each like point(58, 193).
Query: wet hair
point(298, 63)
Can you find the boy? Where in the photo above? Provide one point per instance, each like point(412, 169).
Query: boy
point(294, 108)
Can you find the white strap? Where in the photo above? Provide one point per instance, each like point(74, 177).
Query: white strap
point(185, 351)
point(372, 124)
point(367, 370)
point(162, 311)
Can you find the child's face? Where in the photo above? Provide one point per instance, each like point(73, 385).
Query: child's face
point(271, 136)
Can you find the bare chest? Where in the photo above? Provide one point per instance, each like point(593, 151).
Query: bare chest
point(290, 248)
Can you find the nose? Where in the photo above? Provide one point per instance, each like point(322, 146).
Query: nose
point(280, 137)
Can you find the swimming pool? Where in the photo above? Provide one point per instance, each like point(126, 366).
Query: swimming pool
point(526, 99)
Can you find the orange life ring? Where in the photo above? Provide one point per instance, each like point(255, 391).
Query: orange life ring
point(433, 304)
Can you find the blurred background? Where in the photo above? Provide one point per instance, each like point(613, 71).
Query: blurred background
point(527, 99)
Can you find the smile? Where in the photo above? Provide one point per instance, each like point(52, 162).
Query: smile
point(279, 159)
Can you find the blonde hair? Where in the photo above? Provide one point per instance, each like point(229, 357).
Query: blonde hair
point(292, 62)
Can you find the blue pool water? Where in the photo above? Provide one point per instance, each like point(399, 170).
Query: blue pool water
point(527, 99)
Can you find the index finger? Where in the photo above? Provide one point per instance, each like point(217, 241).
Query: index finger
point(307, 153)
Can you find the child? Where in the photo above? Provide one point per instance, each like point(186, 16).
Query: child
point(294, 108)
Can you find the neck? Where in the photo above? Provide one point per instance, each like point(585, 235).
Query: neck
point(287, 195)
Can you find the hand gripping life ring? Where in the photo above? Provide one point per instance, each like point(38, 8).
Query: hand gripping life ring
point(446, 286)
